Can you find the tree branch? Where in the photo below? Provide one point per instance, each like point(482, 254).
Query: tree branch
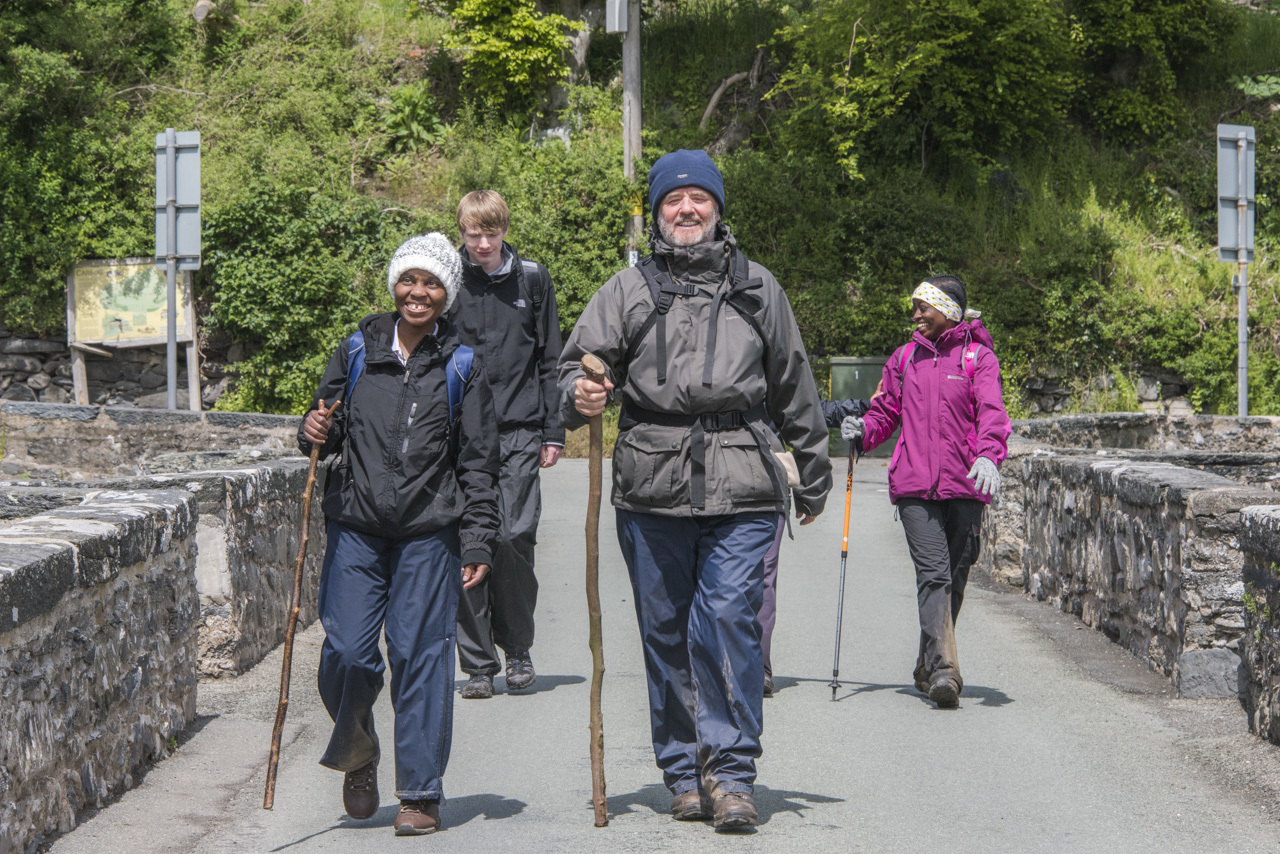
point(720, 90)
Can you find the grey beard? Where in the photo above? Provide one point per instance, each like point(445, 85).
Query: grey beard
point(668, 232)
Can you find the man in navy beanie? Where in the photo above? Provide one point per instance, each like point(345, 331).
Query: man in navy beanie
point(707, 361)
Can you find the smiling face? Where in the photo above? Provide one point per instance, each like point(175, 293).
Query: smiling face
point(420, 298)
point(687, 216)
point(930, 322)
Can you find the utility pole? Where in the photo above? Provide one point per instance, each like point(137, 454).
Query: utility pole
point(623, 16)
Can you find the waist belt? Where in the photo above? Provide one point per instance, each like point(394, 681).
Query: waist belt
point(699, 425)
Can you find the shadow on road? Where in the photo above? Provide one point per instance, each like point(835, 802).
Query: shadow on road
point(980, 694)
point(455, 813)
point(458, 811)
point(769, 802)
point(543, 685)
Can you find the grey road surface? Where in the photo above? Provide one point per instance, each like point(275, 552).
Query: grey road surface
point(1062, 742)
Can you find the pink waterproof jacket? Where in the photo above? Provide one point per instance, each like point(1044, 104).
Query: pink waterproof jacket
point(950, 416)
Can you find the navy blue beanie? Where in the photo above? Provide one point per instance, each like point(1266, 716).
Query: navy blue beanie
point(685, 168)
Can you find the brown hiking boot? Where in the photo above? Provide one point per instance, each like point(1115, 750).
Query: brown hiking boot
point(944, 691)
point(734, 810)
point(693, 805)
point(417, 818)
point(360, 791)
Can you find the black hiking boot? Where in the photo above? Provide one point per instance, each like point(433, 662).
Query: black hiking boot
point(520, 673)
point(944, 691)
point(478, 687)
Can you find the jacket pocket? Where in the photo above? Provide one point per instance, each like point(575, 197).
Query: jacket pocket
point(738, 469)
point(647, 470)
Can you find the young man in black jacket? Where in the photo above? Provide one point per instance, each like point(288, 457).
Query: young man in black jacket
point(506, 310)
point(411, 518)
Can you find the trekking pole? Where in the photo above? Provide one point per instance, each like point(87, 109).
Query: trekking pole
point(269, 799)
point(594, 370)
point(844, 556)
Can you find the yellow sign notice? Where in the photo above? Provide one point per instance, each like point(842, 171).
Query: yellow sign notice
point(124, 303)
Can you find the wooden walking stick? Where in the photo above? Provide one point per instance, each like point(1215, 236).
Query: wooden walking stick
point(594, 369)
point(268, 801)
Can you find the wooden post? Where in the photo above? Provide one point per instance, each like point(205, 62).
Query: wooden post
point(594, 369)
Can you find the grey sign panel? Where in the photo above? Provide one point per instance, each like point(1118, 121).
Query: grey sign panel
point(1235, 184)
point(187, 193)
point(615, 16)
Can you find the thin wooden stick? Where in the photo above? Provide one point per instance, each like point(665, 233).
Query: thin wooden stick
point(594, 369)
point(269, 799)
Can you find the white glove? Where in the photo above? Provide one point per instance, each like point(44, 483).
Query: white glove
point(851, 428)
point(986, 480)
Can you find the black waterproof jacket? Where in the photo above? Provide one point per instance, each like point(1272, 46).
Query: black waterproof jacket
point(519, 338)
point(398, 477)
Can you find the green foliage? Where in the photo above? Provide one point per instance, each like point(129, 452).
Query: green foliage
point(972, 79)
point(1136, 54)
point(1259, 86)
point(512, 51)
point(412, 120)
point(69, 187)
point(294, 271)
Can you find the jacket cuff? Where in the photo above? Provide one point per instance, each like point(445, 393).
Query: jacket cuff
point(477, 554)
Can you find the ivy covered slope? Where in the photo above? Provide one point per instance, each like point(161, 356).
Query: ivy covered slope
point(1058, 154)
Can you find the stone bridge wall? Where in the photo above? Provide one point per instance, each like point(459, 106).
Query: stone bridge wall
point(72, 442)
point(98, 626)
point(1260, 647)
point(114, 605)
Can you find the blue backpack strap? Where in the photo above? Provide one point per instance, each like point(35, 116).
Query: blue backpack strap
point(355, 361)
point(456, 379)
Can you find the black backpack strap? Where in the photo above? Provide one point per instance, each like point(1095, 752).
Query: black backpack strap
point(746, 304)
point(537, 281)
point(663, 292)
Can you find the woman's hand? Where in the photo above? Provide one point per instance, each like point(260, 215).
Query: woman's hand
point(473, 574)
point(852, 428)
point(985, 477)
point(316, 426)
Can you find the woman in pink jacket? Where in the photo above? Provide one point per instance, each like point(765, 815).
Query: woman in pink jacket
point(943, 387)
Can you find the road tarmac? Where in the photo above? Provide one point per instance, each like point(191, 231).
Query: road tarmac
point(1062, 742)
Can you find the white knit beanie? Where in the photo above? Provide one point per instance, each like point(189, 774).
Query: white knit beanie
point(431, 252)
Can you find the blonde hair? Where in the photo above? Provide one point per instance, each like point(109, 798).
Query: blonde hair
point(483, 210)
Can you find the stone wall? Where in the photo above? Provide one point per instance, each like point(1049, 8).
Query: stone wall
point(98, 617)
point(1260, 647)
point(1140, 431)
point(112, 606)
point(35, 369)
point(1146, 552)
point(68, 442)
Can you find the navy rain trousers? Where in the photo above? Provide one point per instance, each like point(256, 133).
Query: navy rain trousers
point(410, 587)
point(699, 583)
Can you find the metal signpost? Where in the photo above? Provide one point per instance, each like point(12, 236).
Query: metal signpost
point(1236, 145)
point(177, 227)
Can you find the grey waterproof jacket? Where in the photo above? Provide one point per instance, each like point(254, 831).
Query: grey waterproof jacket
point(653, 462)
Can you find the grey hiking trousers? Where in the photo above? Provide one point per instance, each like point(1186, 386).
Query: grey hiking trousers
point(943, 538)
point(498, 612)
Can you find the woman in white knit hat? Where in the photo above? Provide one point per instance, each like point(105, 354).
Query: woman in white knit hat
point(411, 519)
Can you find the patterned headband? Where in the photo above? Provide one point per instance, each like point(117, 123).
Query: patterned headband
point(935, 297)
